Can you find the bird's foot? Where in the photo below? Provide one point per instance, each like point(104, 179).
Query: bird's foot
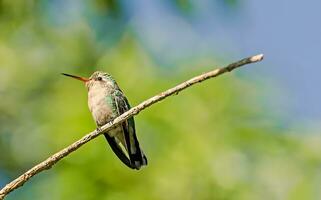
point(98, 129)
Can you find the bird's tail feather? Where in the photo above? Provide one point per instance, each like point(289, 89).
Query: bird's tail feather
point(118, 151)
point(135, 160)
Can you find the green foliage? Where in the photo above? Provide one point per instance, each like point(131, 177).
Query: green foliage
point(212, 141)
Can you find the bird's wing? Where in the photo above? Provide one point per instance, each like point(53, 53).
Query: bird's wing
point(136, 156)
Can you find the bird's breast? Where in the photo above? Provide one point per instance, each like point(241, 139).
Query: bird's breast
point(99, 107)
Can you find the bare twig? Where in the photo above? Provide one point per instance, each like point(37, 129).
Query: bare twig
point(49, 162)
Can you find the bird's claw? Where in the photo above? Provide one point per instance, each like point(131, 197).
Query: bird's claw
point(98, 129)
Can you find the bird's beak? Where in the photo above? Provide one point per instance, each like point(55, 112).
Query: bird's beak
point(77, 77)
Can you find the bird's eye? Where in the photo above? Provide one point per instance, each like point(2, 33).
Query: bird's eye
point(99, 78)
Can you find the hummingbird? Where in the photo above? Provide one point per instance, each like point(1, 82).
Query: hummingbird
point(106, 101)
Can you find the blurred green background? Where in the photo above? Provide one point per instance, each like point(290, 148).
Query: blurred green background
point(222, 139)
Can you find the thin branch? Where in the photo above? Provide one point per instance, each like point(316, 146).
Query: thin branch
point(49, 162)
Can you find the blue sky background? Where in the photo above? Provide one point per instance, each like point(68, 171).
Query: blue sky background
point(287, 32)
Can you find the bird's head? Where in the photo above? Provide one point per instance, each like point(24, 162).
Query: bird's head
point(97, 79)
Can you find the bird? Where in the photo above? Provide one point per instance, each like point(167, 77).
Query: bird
point(106, 101)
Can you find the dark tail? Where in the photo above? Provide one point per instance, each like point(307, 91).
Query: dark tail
point(118, 151)
point(135, 160)
point(136, 155)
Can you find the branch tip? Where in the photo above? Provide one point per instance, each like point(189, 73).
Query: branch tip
point(257, 58)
